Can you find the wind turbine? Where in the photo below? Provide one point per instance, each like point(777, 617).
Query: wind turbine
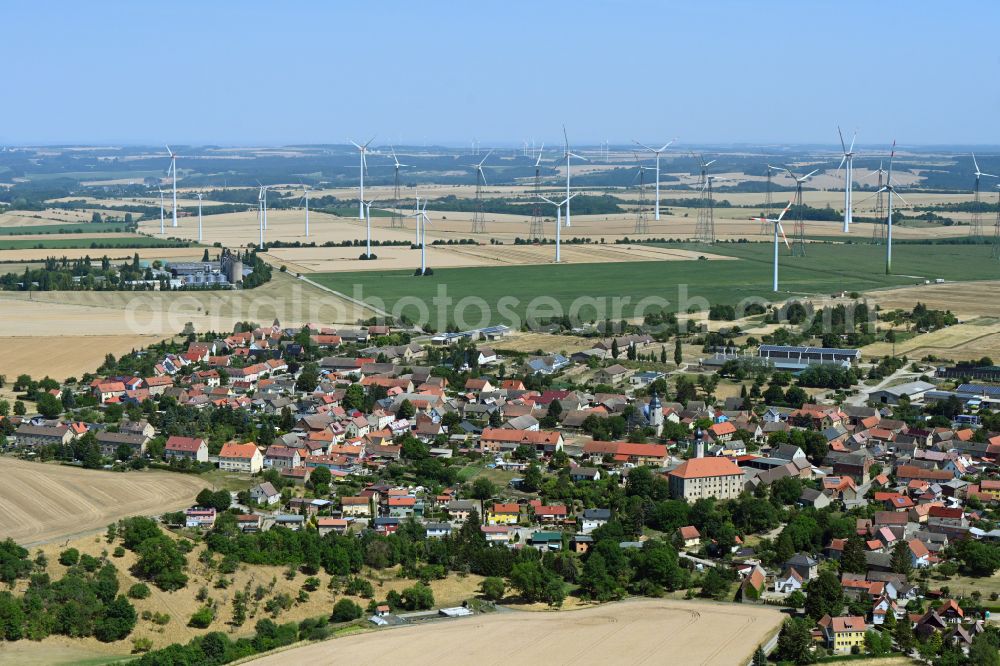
point(847, 161)
point(657, 152)
point(305, 198)
point(891, 189)
point(396, 219)
point(777, 228)
point(478, 221)
point(705, 227)
point(260, 215)
point(368, 225)
point(976, 230)
point(800, 225)
point(641, 221)
point(173, 168)
point(568, 154)
point(564, 202)
point(422, 220)
point(161, 210)
point(199, 195)
point(362, 149)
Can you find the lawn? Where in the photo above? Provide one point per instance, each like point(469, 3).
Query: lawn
point(70, 242)
point(827, 269)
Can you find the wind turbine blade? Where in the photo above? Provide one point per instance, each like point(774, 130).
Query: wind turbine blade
point(709, 163)
point(355, 144)
point(901, 197)
point(566, 138)
point(853, 139)
point(652, 150)
point(665, 146)
point(787, 208)
point(973, 161)
point(842, 145)
point(842, 160)
point(483, 174)
point(549, 200)
point(368, 143)
point(989, 174)
point(809, 175)
point(485, 158)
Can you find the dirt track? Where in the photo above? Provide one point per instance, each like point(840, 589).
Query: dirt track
point(647, 631)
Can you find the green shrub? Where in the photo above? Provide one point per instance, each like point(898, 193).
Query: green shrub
point(138, 591)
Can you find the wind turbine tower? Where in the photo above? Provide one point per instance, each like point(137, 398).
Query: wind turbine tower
point(976, 228)
point(657, 152)
point(536, 230)
point(363, 169)
point(891, 189)
point(799, 241)
point(368, 228)
point(878, 229)
point(777, 228)
point(173, 168)
point(305, 198)
point(564, 202)
point(847, 163)
point(199, 195)
point(478, 218)
point(260, 216)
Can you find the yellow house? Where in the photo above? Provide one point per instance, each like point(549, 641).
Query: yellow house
point(843, 633)
point(503, 514)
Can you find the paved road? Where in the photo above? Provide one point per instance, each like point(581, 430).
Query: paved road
point(897, 377)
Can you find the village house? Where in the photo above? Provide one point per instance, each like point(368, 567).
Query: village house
point(34, 436)
point(327, 524)
point(265, 493)
point(706, 477)
point(545, 442)
point(626, 452)
point(243, 458)
point(843, 633)
point(503, 514)
point(114, 443)
point(186, 448)
point(689, 536)
point(356, 507)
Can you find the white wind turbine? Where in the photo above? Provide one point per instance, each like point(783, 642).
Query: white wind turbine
point(657, 152)
point(362, 149)
point(891, 189)
point(173, 168)
point(777, 228)
point(368, 226)
point(568, 154)
point(564, 202)
point(199, 195)
point(847, 161)
point(161, 210)
point(262, 213)
point(422, 221)
point(305, 198)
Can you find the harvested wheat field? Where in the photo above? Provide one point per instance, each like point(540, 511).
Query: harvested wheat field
point(531, 342)
point(113, 253)
point(61, 357)
point(644, 631)
point(42, 502)
point(962, 342)
point(65, 313)
point(334, 259)
point(966, 299)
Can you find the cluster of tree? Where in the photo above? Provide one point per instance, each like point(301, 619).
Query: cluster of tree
point(160, 559)
point(84, 602)
point(828, 376)
point(78, 275)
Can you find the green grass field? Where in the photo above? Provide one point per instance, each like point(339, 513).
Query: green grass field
point(826, 269)
point(64, 228)
point(96, 243)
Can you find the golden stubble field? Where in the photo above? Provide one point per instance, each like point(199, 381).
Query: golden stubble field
point(42, 503)
point(647, 631)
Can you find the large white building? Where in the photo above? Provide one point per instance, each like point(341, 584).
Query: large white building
point(706, 477)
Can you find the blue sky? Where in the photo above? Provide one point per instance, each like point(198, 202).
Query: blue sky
point(271, 73)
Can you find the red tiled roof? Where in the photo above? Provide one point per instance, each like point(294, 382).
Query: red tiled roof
point(697, 468)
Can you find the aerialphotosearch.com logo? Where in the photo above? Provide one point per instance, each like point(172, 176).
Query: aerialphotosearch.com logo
point(169, 312)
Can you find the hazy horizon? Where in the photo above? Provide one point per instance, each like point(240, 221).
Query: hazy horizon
point(724, 74)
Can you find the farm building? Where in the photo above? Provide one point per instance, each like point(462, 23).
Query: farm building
point(785, 357)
